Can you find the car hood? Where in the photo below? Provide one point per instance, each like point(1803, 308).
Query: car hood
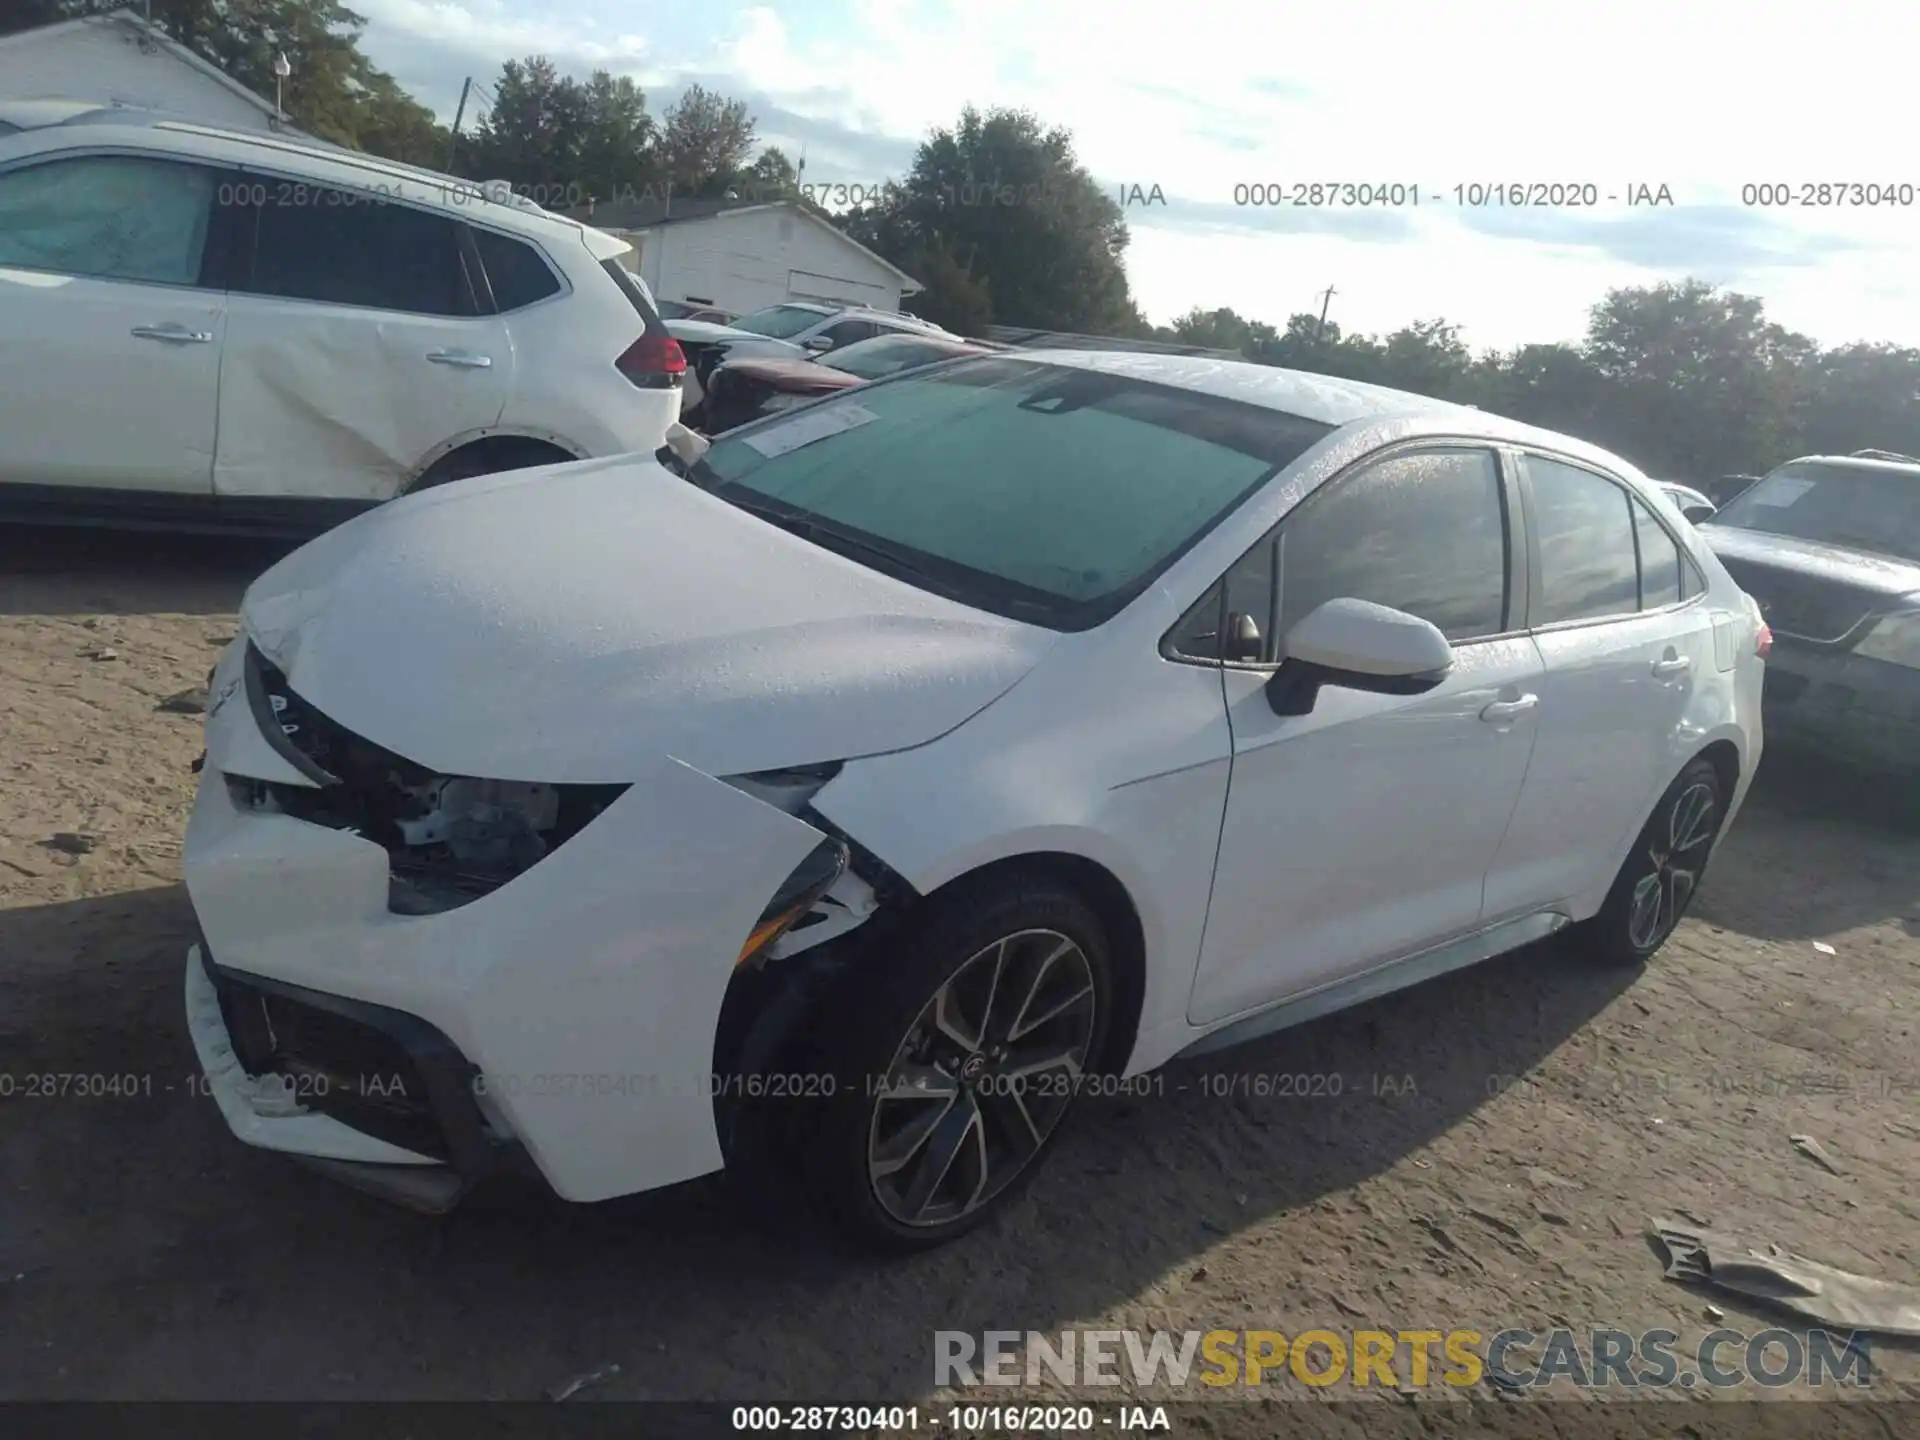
point(572, 623)
point(1807, 589)
point(797, 375)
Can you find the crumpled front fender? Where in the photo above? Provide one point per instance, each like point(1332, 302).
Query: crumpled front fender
point(587, 991)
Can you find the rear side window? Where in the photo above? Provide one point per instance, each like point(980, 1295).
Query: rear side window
point(1661, 564)
point(516, 272)
point(110, 217)
point(343, 248)
point(1588, 560)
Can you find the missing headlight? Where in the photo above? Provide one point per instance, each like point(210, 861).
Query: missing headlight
point(449, 838)
point(810, 879)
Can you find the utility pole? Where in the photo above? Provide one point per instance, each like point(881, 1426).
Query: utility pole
point(1326, 299)
point(459, 113)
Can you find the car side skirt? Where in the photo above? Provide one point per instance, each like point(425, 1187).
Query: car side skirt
point(1383, 980)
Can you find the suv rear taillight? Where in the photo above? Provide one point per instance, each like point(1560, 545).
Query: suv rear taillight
point(653, 362)
point(1763, 641)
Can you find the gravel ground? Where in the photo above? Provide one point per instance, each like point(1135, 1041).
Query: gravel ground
point(1496, 1147)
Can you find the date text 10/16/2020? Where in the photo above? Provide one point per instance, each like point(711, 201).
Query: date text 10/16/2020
point(319, 1085)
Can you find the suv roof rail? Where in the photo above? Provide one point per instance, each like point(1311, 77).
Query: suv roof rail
point(1893, 455)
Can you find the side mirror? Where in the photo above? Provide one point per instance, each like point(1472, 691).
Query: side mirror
point(1356, 645)
point(1699, 514)
point(819, 344)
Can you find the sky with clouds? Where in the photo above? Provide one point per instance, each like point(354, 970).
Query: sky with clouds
point(1205, 99)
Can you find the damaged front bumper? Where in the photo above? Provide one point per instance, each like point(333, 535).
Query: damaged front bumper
point(375, 1098)
point(567, 1017)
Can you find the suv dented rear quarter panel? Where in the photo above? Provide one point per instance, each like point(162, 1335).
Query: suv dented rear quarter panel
point(587, 991)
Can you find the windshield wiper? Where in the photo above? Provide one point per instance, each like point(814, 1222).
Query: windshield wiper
point(829, 537)
point(698, 473)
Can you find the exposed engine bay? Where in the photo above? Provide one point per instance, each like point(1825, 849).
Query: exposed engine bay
point(450, 838)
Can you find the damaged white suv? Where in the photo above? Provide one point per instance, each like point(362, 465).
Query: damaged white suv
point(223, 330)
point(837, 803)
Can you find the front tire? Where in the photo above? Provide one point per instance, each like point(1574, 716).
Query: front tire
point(961, 1052)
point(1663, 870)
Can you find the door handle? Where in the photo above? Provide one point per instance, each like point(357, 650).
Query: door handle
point(1673, 665)
point(462, 359)
point(1501, 710)
point(177, 334)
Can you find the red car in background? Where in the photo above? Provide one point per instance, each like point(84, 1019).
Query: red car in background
point(745, 389)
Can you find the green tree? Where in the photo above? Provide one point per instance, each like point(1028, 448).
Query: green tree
point(1862, 396)
point(1009, 194)
point(771, 174)
point(955, 297)
point(1428, 358)
point(533, 133)
point(616, 138)
point(1223, 329)
point(703, 144)
point(1699, 381)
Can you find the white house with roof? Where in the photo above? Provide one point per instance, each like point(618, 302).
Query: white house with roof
point(120, 59)
point(740, 254)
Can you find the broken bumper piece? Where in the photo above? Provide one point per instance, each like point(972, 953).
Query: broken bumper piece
point(370, 1096)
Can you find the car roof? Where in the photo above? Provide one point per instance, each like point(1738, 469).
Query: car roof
point(78, 123)
point(1324, 398)
point(1871, 462)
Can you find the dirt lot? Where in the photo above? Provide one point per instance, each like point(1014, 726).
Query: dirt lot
point(144, 1253)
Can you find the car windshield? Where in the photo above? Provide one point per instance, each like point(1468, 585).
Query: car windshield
point(1856, 506)
point(780, 322)
point(1044, 492)
point(674, 310)
point(886, 355)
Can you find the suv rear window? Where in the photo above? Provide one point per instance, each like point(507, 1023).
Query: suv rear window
point(515, 271)
point(1043, 492)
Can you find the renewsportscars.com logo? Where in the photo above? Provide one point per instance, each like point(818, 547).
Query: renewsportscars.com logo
point(1514, 1359)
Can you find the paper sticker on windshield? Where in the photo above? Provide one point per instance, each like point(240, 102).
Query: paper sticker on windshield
point(1782, 492)
point(805, 429)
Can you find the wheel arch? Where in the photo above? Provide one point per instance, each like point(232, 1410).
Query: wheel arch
point(1724, 753)
point(1119, 916)
point(489, 443)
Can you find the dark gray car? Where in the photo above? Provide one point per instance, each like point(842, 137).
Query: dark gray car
point(1830, 548)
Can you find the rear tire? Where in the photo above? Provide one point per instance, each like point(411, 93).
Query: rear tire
point(1662, 872)
point(959, 1050)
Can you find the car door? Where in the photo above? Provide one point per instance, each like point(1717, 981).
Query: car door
point(111, 321)
point(1362, 831)
point(356, 346)
point(1624, 641)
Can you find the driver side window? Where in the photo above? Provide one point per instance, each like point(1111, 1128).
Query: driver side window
point(1422, 531)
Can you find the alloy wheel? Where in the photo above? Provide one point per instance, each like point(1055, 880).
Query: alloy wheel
point(1677, 852)
point(982, 1078)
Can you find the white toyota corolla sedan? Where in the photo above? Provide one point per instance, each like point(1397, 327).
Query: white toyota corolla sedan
point(837, 803)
